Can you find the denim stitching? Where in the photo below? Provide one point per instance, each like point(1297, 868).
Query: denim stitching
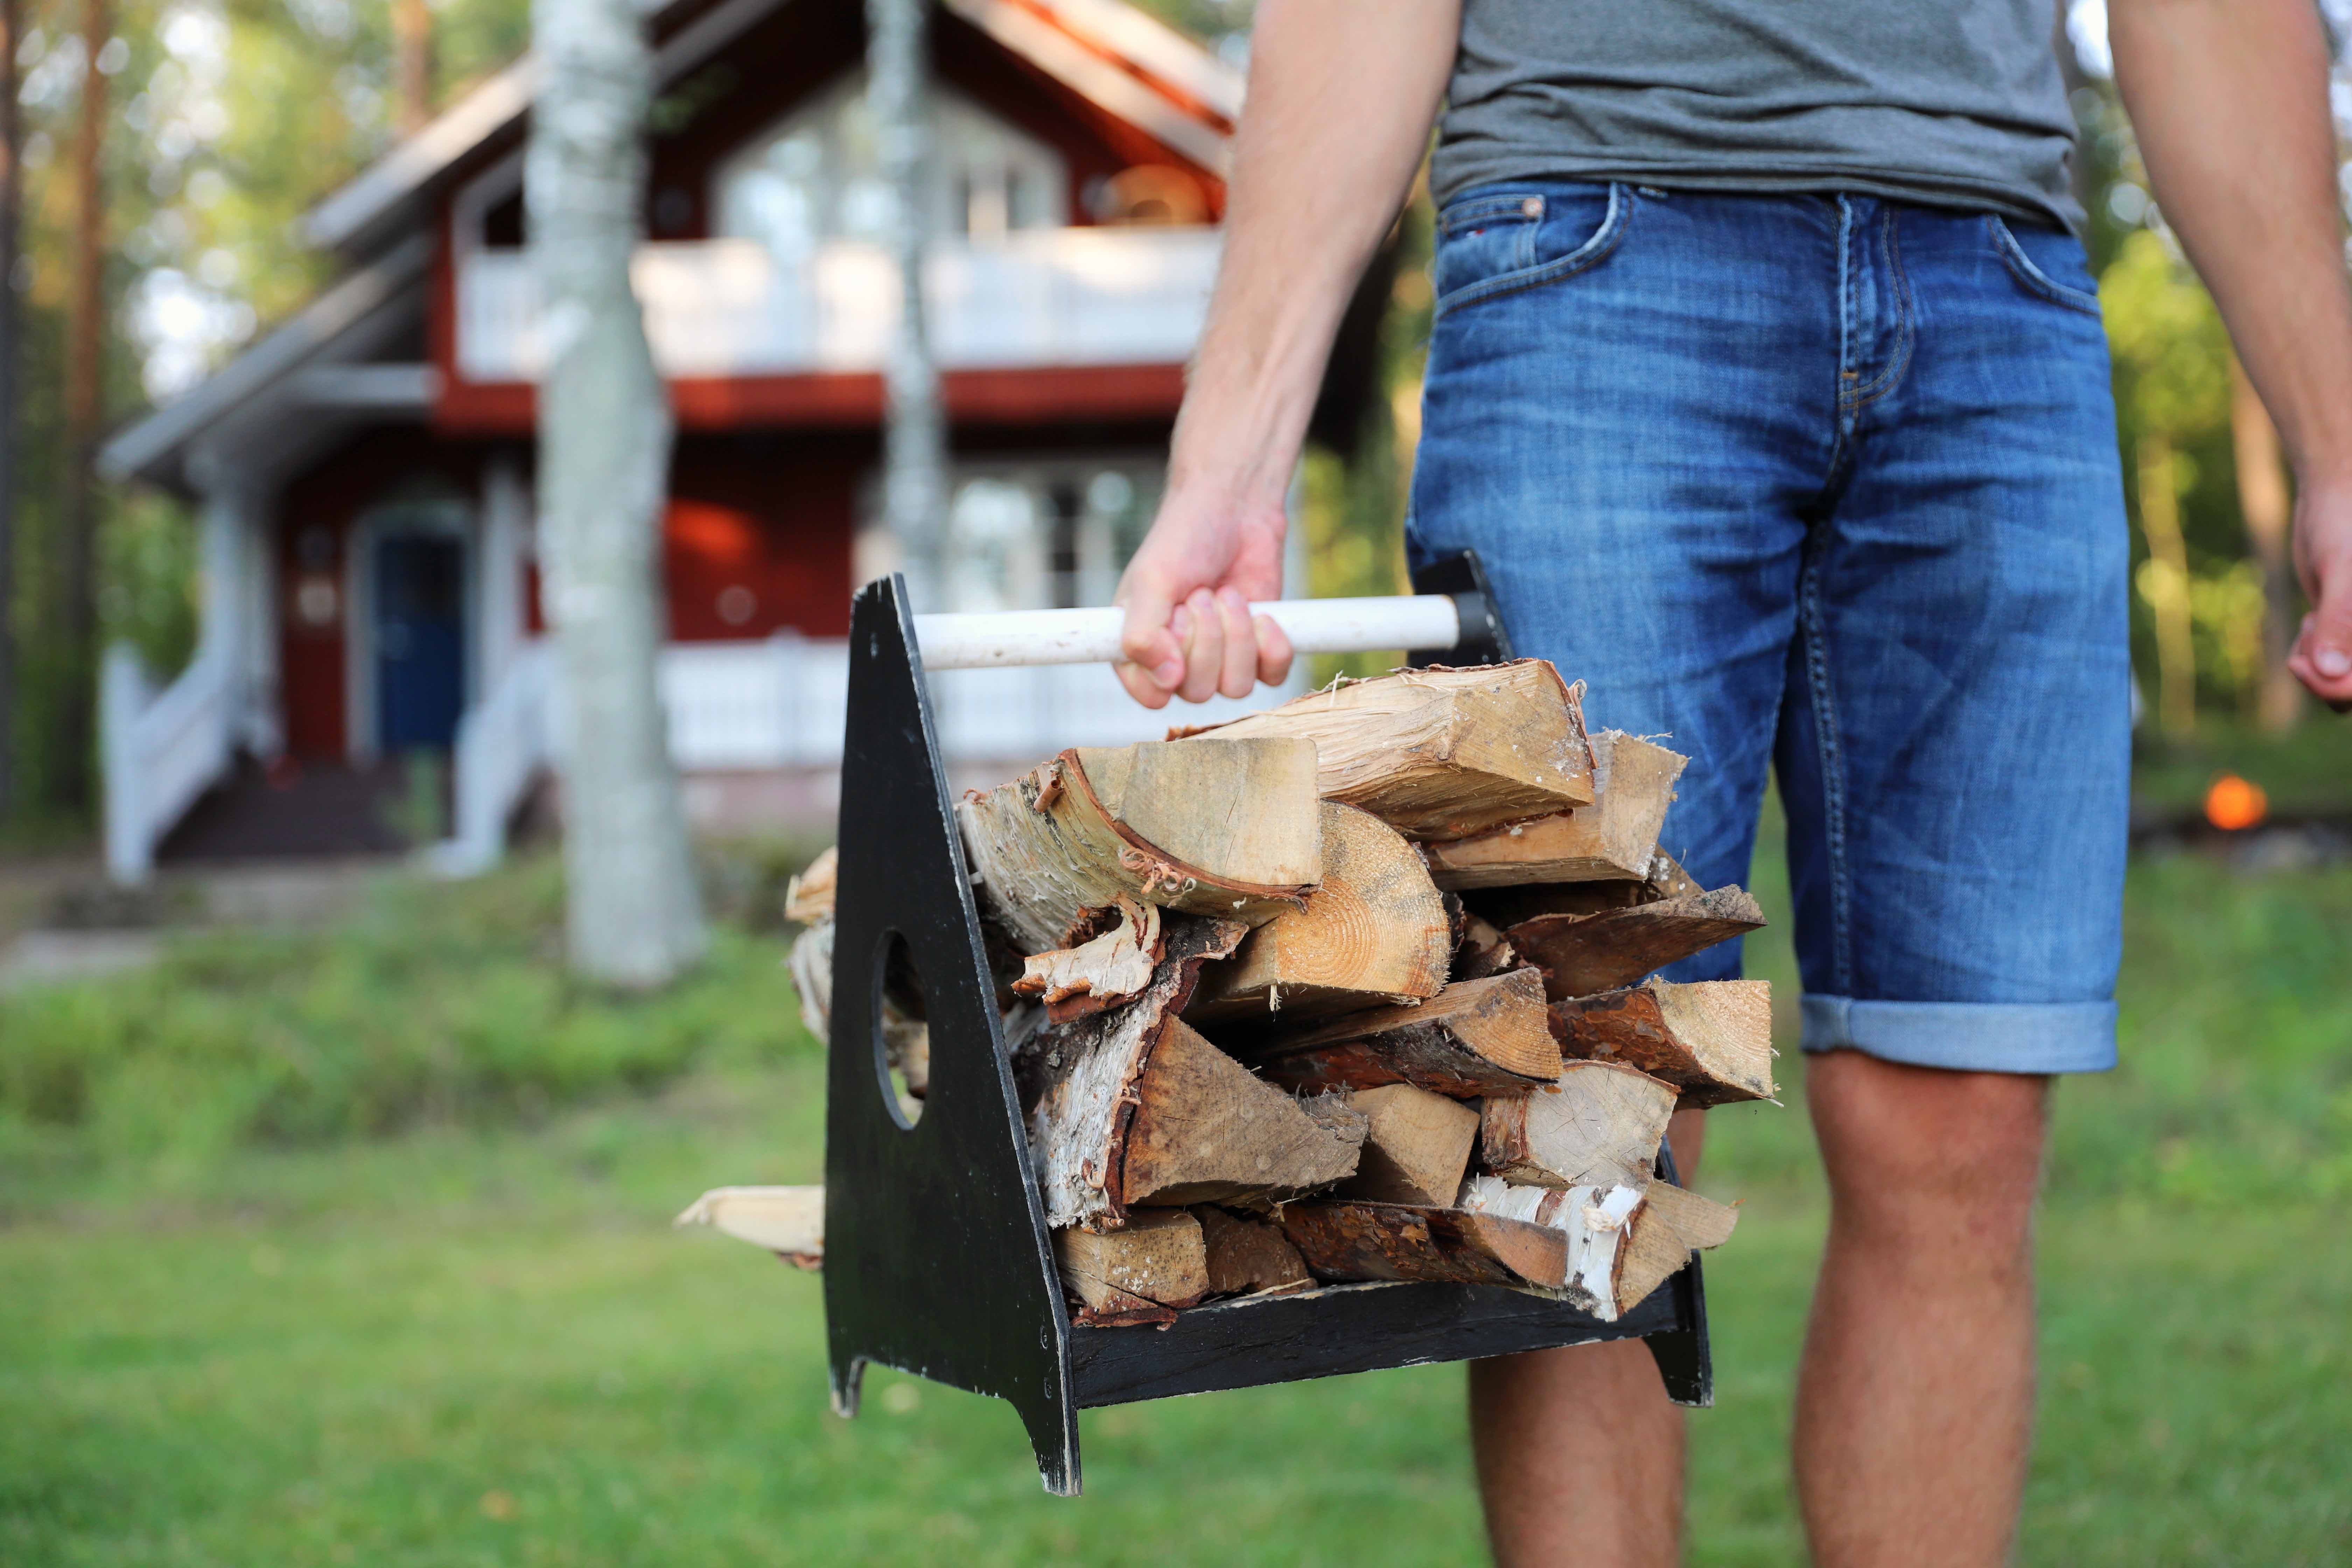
point(2021, 268)
point(1591, 254)
point(1899, 287)
point(1829, 758)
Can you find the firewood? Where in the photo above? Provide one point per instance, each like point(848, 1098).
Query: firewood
point(1416, 1149)
point(1443, 753)
point(1712, 1040)
point(808, 896)
point(1610, 839)
point(1110, 968)
point(1158, 1258)
point(1231, 830)
point(1402, 1241)
point(1701, 1222)
point(812, 966)
point(1581, 954)
point(1481, 948)
point(1505, 907)
point(1080, 1079)
point(787, 1221)
point(1474, 1037)
point(1249, 1257)
point(1374, 932)
point(1620, 1246)
point(1206, 1128)
point(1600, 1125)
point(906, 1040)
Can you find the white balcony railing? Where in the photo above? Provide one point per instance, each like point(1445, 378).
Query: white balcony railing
point(727, 308)
point(159, 750)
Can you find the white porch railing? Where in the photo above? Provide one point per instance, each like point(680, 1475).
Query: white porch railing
point(159, 750)
point(727, 307)
point(502, 743)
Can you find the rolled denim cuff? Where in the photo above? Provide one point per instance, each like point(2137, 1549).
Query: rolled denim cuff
point(1968, 1037)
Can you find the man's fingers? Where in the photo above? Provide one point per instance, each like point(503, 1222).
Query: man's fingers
point(2322, 659)
point(1273, 651)
point(1204, 646)
point(1141, 685)
point(1146, 638)
point(1238, 673)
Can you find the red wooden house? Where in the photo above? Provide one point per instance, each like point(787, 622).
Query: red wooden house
point(365, 469)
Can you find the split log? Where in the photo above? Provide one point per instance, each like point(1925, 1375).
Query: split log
point(1599, 1126)
point(1701, 1222)
point(1581, 954)
point(1482, 949)
point(1101, 972)
point(1440, 753)
point(1504, 907)
point(1620, 1244)
point(1416, 1149)
point(1611, 839)
point(1375, 933)
point(1138, 1273)
point(808, 896)
point(1231, 830)
point(1445, 1245)
point(787, 1221)
point(1080, 1080)
point(1206, 1128)
point(1249, 1257)
point(812, 966)
point(905, 1039)
point(1712, 1040)
point(1474, 1037)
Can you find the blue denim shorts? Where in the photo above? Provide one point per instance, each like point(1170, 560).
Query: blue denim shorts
point(1832, 481)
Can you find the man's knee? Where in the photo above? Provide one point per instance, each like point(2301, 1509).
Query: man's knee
point(1927, 1156)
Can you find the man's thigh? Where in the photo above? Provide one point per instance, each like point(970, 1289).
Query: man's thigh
point(1624, 415)
point(1955, 750)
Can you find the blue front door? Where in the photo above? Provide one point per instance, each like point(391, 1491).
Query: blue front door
point(420, 640)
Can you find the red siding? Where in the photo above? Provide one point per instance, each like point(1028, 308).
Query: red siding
point(758, 538)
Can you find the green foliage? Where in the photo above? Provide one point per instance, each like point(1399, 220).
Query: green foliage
point(440, 1004)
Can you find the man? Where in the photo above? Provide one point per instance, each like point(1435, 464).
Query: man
point(1768, 380)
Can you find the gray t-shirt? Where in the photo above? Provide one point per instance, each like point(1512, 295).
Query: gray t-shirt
point(1948, 102)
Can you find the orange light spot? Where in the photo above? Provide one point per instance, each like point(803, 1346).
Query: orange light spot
point(2233, 803)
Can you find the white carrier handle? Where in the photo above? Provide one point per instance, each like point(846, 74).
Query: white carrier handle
point(1418, 623)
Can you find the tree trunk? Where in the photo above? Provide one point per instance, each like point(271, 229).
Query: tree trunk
point(2166, 587)
point(633, 914)
point(412, 48)
point(914, 441)
point(85, 389)
point(2262, 498)
point(11, 203)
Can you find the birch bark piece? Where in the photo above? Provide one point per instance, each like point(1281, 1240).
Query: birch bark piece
point(1249, 1257)
point(1376, 931)
point(808, 897)
point(1445, 1245)
point(787, 1221)
point(1580, 955)
point(1205, 1128)
point(1712, 1040)
point(1600, 1125)
point(1159, 1257)
point(1474, 1037)
point(1231, 831)
point(1592, 1221)
point(1416, 1148)
point(1079, 1079)
point(1611, 839)
point(1110, 968)
point(1440, 753)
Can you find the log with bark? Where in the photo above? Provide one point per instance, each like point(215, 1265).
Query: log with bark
point(1505, 907)
point(1481, 948)
point(1140, 1273)
point(1249, 1255)
point(1344, 1241)
point(1712, 1040)
point(1375, 933)
point(1620, 1244)
point(1231, 829)
point(1578, 955)
point(1109, 967)
point(1441, 754)
point(1600, 1125)
point(1611, 839)
point(1416, 1148)
point(1474, 1037)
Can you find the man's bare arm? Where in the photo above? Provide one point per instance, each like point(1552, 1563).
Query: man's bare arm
point(2230, 101)
point(1341, 97)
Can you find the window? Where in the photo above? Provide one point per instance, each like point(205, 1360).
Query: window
point(1047, 534)
point(816, 175)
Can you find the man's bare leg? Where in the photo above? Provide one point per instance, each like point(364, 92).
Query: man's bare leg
point(1914, 1405)
point(1579, 1451)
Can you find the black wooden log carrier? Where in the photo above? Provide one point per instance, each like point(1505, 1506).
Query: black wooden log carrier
point(937, 1256)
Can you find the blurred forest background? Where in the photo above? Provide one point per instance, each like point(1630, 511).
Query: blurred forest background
point(167, 146)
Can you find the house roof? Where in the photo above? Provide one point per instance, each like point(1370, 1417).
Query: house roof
point(1124, 61)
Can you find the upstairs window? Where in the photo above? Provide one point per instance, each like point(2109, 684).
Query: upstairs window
point(816, 175)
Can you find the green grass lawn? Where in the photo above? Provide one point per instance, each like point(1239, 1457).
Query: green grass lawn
point(475, 1340)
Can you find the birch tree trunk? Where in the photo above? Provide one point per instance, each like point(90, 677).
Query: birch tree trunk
point(11, 204)
point(2164, 582)
point(914, 441)
point(85, 390)
point(2262, 498)
point(634, 914)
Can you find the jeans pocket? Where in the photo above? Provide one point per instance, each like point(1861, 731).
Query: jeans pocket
point(2062, 256)
point(1497, 243)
